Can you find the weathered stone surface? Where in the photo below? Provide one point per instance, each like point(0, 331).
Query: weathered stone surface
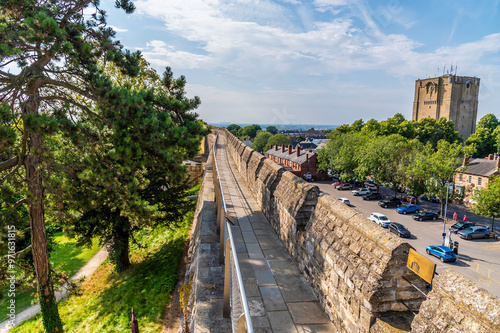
point(457, 304)
point(354, 266)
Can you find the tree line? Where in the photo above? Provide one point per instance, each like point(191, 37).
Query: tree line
point(92, 139)
point(423, 155)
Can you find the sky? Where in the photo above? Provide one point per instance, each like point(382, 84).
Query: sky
point(326, 62)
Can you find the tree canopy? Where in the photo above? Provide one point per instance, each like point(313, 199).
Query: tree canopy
point(272, 129)
point(72, 126)
point(261, 140)
point(277, 139)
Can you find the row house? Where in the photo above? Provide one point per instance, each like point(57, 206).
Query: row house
point(296, 160)
point(474, 175)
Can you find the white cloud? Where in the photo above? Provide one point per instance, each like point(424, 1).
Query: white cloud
point(117, 29)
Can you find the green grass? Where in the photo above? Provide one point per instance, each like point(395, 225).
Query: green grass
point(66, 256)
point(108, 297)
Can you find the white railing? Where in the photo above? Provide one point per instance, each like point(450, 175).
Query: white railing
point(235, 303)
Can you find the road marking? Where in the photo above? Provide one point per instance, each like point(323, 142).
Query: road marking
point(491, 247)
point(488, 282)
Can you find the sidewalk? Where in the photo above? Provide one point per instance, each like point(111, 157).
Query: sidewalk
point(86, 271)
point(279, 298)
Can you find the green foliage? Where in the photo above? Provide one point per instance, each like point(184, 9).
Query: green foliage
point(66, 258)
point(486, 139)
point(277, 139)
point(249, 131)
point(487, 201)
point(272, 129)
point(301, 138)
point(261, 140)
point(147, 286)
point(234, 129)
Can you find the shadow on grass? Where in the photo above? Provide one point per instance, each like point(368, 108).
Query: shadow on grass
point(146, 287)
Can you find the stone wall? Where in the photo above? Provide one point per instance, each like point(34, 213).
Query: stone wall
point(457, 304)
point(203, 272)
point(354, 266)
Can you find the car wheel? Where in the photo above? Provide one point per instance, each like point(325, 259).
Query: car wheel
point(404, 212)
point(487, 236)
point(434, 218)
point(442, 259)
point(468, 237)
point(385, 206)
point(420, 219)
point(417, 211)
point(428, 252)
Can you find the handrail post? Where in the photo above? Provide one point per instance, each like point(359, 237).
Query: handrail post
point(222, 235)
point(226, 305)
point(242, 324)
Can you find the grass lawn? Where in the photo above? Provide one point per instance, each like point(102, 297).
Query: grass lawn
point(65, 253)
point(108, 297)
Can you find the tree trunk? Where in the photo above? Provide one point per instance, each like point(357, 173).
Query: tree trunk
point(48, 306)
point(120, 244)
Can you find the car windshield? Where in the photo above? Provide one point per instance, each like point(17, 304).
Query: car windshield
point(383, 218)
point(459, 224)
point(402, 227)
point(405, 206)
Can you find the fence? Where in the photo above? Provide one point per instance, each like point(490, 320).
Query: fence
point(235, 303)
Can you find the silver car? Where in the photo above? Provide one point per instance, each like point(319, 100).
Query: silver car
point(474, 232)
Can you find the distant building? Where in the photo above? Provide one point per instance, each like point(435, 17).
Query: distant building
point(298, 161)
point(450, 96)
point(474, 175)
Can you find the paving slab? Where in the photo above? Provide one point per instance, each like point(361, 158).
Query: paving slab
point(279, 298)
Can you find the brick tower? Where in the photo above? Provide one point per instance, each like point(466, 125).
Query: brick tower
point(450, 96)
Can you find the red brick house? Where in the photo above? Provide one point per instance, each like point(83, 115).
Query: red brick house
point(474, 175)
point(298, 161)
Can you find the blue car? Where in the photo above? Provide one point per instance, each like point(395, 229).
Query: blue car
point(407, 208)
point(444, 253)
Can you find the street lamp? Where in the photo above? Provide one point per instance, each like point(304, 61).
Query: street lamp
point(445, 210)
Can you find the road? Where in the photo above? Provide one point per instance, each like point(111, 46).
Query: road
point(478, 259)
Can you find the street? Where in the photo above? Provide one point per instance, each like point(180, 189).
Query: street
point(478, 259)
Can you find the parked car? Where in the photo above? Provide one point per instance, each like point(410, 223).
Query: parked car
point(410, 199)
point(474, 232)
point(399, 229)
point(371, 187)
point(442, 252)
point(407, 208)
point(391, 202)
point(345, 201)
point(380, 219)
point(426, 198)
point(344, 186)
point(420, 216)
point(361, 191)
point(461, 226)
point(372, 196)
point(337, 183)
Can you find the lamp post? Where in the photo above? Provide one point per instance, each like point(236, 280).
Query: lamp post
point(445, 210)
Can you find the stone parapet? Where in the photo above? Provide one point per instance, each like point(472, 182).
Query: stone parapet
point(354, 266)
point(457, 304)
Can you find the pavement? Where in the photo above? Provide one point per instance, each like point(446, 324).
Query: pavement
point(85, 271)
point(279, 298)
point(478, 259)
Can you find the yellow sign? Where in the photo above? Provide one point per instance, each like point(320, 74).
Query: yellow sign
point(421, 266)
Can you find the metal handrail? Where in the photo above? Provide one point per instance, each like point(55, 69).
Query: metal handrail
point(241, 322)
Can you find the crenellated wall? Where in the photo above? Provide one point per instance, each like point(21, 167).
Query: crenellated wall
point(457, 304)
point(354, 266)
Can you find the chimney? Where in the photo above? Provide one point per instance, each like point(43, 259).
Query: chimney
point(276, 147)
point(298, 150)
point(490, 157)
point(283, 148)
point(466, 160)
point(290, 148)
point(497, 166)
point(307, 157)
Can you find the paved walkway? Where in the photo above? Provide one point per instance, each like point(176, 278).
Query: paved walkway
point(280, 299)
point(85, 271)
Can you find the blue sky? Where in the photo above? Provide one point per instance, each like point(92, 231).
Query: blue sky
point(322, 61)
